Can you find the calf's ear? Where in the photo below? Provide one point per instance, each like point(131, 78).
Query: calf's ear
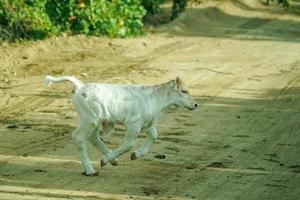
point(175, 83)
point(178, 81)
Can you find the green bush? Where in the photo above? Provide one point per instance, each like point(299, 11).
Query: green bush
point(35, 19)
point(97, 17)
point(24, 19)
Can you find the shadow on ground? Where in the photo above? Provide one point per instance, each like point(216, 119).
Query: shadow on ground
point(213, 22)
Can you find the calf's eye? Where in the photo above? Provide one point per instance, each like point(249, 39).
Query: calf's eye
point(184, 91)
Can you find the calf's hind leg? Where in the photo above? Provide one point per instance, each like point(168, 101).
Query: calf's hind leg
point(79, 136)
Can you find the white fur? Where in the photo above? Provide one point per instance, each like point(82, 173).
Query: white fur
point(100, 106)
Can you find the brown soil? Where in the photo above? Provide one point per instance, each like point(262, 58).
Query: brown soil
point(241, 61)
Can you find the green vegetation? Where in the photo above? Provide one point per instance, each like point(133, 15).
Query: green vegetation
point(118, 18)
point(36, 19)
point(22, 20)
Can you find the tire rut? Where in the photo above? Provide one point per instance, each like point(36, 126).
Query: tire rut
point(22, 105)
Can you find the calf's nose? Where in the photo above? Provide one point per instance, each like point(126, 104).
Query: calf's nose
point(196, 105)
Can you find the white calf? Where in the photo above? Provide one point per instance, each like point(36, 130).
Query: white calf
point(134, 106)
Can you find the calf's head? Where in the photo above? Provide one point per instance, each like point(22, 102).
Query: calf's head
point(180, 94)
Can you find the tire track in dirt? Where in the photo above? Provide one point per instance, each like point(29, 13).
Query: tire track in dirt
point(22, 105)
point(284, 90)
point(54, 138)
point(58, 134)
point(217, 157)
point(41, 146)
point(140, 66)
point(18, 107)
point(235, 80)
point(294, 81)
point(238, 77)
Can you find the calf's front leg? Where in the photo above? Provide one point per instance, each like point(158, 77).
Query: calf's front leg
point(151, 137)
point(128, 143)
point(95, 140)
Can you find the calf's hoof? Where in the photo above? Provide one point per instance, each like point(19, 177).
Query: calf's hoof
point(96, 173)
point(133, 156)
point(102, 163)
point(114, 163)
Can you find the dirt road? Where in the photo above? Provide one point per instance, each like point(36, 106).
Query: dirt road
point(242, 63)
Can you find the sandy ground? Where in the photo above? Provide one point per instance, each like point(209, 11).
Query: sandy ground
point(241, 61)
